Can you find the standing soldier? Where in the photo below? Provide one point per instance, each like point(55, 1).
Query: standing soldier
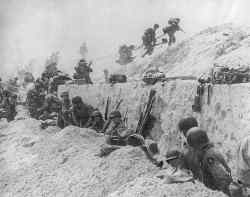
point(171, 29)
point(149, 39)
point(83, 71)
point(11, 108)
point(64, 116)
point(216, 174)
point(35, 100)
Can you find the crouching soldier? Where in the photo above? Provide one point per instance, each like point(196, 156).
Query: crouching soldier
point(64, 116)
point(216, 174)
point(96, 121)
point(80, 112)
point(50, 108)
point(49, 111)
point(116, 131)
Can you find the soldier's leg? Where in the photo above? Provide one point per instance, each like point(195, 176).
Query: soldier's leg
point(174, 39)
point(171, 39)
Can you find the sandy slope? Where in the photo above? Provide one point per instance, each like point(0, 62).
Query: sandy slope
point(53, 163)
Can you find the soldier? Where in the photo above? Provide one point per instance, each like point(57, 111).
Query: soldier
point(83, 70)
point(11, 108)
point(116, 131)
point(172, 29)
point(96, 121)
point(35, 99)
point(190, 158)
point(216, 174)
point(149, 39)
point(7, 106)
point(241, 187)
point(80, 112)
point(64, 116)
point(125, 54)
point(50, 108)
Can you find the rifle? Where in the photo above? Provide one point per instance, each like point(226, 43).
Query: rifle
point(125, 118)
point(144, 116)
point(118, 104)
point(107, 108)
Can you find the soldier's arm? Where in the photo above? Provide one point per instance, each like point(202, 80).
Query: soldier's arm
point(74, 119)
point(221, 158)
point(180, 29)
point(88, 123)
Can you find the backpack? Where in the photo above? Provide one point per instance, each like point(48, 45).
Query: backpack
point(117, 78)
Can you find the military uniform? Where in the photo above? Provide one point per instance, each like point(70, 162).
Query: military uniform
point(191, 162)
point(80, 112)
point(11, 108)
point(65, 116)
point(96, 121)
point(171, 30)
point(8, 106)
point(50, 108)
point(215, 172)
point(82, 71)
point(241, 188)
point(35, 100)
point(149, 39)
point(116, 132)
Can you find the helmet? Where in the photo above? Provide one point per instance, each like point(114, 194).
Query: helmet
point(196, 137)
point(115, 114)
point(82, 62)
point(187, 123)
point(96, 114)
point(77, 100)
point(156, 26)
point(64, 94)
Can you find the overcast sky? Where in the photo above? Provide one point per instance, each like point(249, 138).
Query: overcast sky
point(33, 29)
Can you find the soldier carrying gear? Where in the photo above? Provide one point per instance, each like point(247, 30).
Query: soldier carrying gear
point(216, 174)
point(149, 39)
point(96, 121)
point(82, 71)
point(172, 29)
point(117, 131)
